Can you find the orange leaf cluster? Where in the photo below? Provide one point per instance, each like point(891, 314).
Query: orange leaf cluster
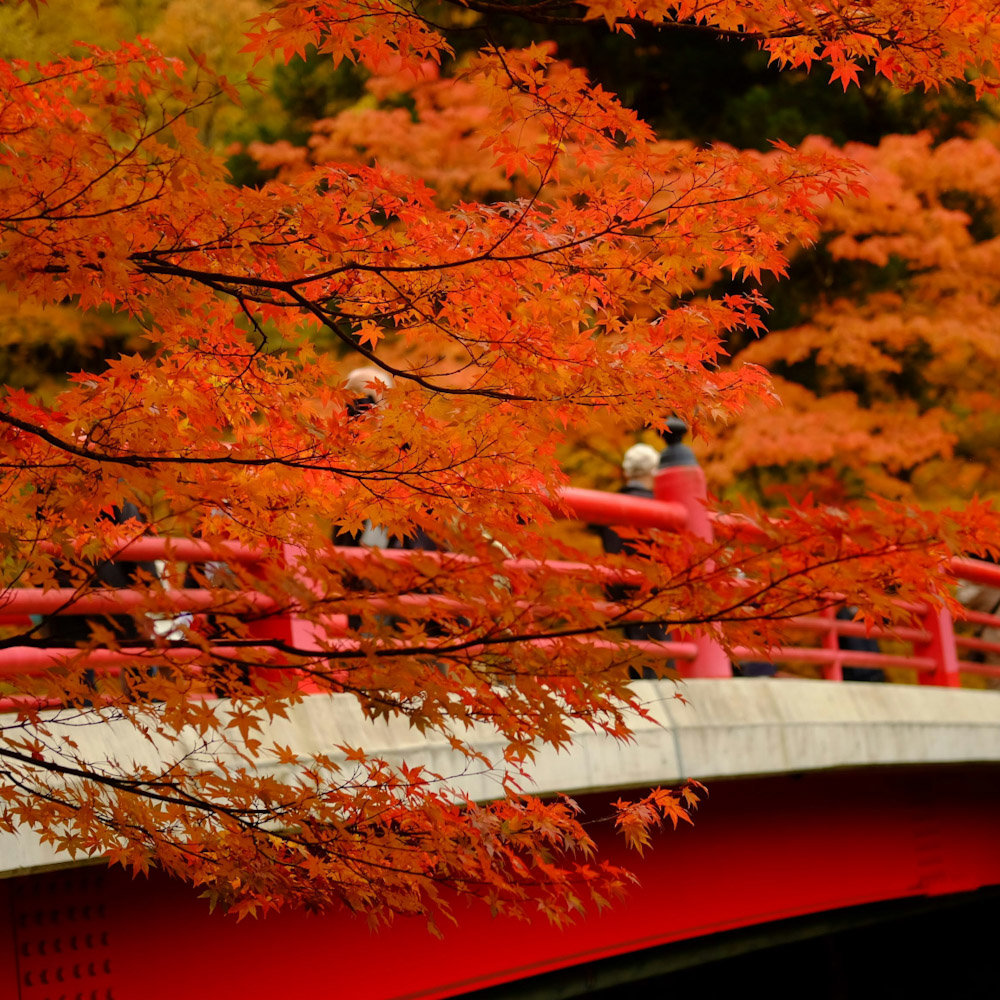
point(903, 402)
point(502, 324)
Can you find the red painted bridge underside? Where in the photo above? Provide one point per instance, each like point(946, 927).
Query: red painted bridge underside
point(762, 850)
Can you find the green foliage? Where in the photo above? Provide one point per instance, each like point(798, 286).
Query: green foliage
point(303, 91)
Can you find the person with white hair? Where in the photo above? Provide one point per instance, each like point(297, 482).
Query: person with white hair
point(368, 385)
point(639, 465)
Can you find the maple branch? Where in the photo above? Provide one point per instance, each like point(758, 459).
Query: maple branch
point(51, 211)
point(325, 835)
point(145, 461)
point(536, 13)
point(134, 786)
point(395, 371)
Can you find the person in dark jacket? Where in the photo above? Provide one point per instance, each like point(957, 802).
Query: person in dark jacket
point(119, 575)
point(368, 386)
point(639, 465)
point(71, 630)
point(858, 644)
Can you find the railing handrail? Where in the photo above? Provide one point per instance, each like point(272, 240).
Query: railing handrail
point(936, 647)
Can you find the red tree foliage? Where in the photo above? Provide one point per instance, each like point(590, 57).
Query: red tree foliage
point(902, 361)
point(507, 326)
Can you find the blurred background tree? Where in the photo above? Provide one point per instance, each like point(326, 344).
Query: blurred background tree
point(885, 337)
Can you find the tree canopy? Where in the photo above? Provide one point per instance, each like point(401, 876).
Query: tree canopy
point(521, 260)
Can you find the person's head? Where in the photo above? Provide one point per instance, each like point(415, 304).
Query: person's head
point(640, 463)
point(368, 385)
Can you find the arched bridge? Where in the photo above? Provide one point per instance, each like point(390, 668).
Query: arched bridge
point(825, 797)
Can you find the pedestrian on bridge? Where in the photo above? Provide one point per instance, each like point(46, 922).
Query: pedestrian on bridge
point(639, 465)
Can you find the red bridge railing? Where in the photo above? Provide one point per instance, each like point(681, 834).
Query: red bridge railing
point(936, 651)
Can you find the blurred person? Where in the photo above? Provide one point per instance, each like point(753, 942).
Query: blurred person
point(984, 598)
point(639, 466)
point(858, 644)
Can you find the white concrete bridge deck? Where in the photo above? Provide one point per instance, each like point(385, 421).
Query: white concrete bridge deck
point(726, 729)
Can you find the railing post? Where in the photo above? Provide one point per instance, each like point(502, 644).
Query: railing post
point(941, 648)
point(834, 670)
point(681, 480)
point(289, 626)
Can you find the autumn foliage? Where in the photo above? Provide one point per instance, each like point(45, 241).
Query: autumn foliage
point(888, 384)
point(525, 261)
